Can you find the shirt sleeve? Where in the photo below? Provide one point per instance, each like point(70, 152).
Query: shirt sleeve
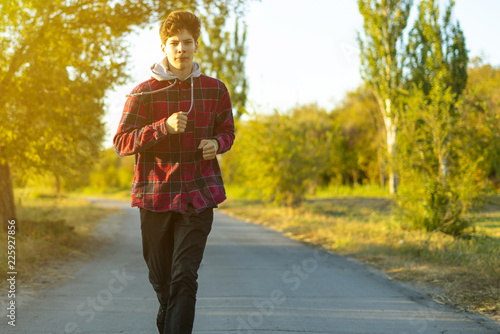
point(224, 123)
point(134, 134)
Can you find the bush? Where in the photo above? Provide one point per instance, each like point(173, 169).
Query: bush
point(112, 172)
point(280, 157)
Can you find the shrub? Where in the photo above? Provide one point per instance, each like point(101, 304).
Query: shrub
point(280, 157)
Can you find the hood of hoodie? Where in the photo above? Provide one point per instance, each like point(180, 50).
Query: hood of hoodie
point(161, 72)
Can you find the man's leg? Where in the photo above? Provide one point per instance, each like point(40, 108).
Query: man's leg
point(157, 244)
point(190, 237)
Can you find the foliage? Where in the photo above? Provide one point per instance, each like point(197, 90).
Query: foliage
point(482, 118)
point(111, 172)
point(428, 199)
point(382, 52)
point(59, 59)
point(437, 50)
point(280, 157)
point(446, 143)
point(357, 150)
point(441, 175)
point(382, 61)
point(223, 51)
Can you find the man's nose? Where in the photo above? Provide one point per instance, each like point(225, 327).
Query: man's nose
point(180, 48)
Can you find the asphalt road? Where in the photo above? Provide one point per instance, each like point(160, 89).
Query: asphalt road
point(252, 280)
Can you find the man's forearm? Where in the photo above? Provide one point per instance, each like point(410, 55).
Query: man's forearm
point(130, 140)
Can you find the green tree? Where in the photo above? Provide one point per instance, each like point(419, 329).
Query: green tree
point(382, 60)
point(438, 56)
point(440, 174)
point(224, 51)
point(58, 59)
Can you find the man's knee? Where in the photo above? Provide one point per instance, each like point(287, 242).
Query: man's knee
point(184, 290)
point(184, 282)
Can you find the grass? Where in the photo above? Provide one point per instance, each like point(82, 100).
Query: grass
point(51, 229)
point(117, 194)
point(464, 273)
point(367, 190)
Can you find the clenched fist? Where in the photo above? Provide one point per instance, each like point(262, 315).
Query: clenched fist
point(177, 122)
point(209, 148)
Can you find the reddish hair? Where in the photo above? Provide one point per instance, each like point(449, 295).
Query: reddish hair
point(177, 21)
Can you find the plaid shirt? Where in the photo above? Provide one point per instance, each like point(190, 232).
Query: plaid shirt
point(169, 168)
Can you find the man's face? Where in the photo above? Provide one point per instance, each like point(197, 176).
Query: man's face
point(180, 49)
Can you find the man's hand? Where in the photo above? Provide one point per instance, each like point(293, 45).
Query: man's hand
point(177, 122)
point(209, 149)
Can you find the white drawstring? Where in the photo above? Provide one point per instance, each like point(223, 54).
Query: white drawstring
point(192, 97)
point(154, 91)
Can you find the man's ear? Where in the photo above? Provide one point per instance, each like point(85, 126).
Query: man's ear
point(163, 48)
point(196, 46)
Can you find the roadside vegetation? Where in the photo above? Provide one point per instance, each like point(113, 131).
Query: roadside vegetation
point(51, 229)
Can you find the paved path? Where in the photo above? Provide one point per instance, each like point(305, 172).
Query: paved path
point(252, 280)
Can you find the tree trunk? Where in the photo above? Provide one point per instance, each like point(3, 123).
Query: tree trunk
point(391, 150)
point(7, 204)
point(391, 129)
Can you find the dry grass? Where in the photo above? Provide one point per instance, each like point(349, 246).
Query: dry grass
point(462, 272)
point(51, 230)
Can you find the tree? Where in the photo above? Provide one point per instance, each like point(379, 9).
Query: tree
point(382, 60)
point(58, 59)
point(54, 82)
point(224, 51)
point(438, 57)
point(440, 173)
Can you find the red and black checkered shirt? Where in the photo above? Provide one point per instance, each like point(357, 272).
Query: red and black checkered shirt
point(169, 168)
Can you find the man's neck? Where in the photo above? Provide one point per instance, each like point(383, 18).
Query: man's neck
point(181, 74)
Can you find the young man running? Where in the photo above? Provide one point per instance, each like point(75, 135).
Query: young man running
point(175, 123)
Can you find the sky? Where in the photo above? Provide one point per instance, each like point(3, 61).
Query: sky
point(301, 52)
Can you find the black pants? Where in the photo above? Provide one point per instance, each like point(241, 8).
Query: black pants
point(173, 244)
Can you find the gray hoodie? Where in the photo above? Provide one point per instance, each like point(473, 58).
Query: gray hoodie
point(161, 72)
